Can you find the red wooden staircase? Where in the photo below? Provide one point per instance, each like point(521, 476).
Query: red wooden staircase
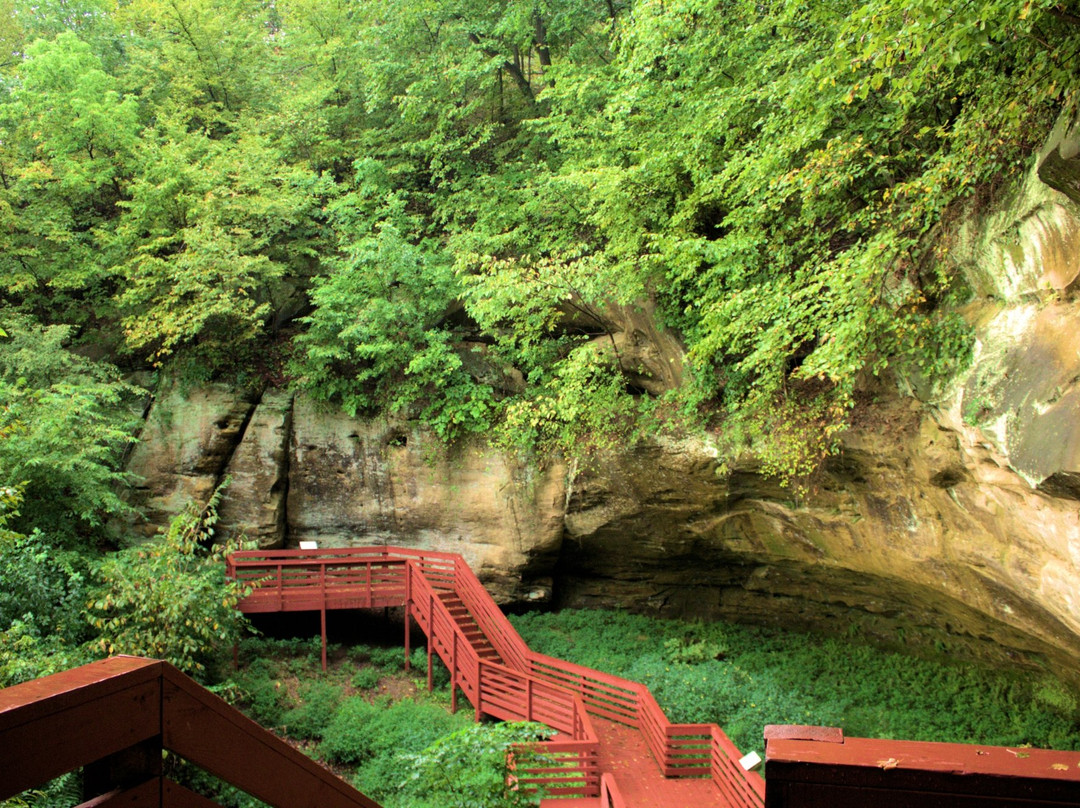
point(614, 748)
point(116, 718)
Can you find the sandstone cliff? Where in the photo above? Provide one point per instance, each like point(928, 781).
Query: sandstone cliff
point(950, 520)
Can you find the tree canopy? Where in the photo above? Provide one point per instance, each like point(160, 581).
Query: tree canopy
point(432, 208)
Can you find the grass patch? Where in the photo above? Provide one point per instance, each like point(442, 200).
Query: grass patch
point(365, 717)
point(743, 678)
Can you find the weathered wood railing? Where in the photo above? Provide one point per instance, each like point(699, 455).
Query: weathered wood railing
point(115, 717)
point(570, 767)
point(610, 796)
point(530, 686)
point(499, 631)
point(820, 766)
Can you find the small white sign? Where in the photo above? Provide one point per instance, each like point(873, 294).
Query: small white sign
point(750, 761)
point(309, 545)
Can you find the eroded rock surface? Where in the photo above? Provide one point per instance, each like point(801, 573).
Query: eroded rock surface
point(912, 535)
point(187, 442)
point(356, 482)
point(950, 521)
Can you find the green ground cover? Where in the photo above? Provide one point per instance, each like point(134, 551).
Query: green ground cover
point(372, 723)
point(744, 678)
point(379, 728)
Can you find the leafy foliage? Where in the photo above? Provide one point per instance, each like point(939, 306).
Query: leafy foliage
point(438, 210)
point(64, 425)
point(318, 703)
point(473, 767)
point(380, 338)
point(169, 598)
point(744, 678)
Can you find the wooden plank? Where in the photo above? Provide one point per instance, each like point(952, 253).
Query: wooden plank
point(206, 731)
point(144, 795)
point(904, 768)
point(174, 795)
point(59, 723)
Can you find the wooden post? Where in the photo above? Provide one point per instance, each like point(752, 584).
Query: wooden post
point(453, 674)
point(528, 699)
point(322, 620)
point(322, 612)
point(408, 579)
point(430, 642)
point(479, 696)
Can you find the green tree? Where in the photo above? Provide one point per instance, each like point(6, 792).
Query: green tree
point(169, 598)
point(65, 423)
point(381, 336)
point(213, 240)
point(68, 142)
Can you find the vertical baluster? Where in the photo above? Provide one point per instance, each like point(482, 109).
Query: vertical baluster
point(479, 677)
point(322, 611)
point(408, 601)
point(454, 674)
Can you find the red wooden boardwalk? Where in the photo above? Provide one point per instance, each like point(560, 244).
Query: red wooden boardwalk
point(625, 754)
point(615, 746)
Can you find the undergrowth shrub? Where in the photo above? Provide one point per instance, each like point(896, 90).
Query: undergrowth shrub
point(319, 702)
point(471, 768)
point(344, 738)
point(261, 692)
point(169, 598)
point(261, 647)
point(366, 678)
point(777, 677)
point(389, 659)
point(440, 676)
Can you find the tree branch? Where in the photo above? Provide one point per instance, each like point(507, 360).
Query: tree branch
point(514, 70)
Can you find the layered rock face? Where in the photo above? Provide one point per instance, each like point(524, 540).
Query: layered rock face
point(299, 472)
point(949, 521)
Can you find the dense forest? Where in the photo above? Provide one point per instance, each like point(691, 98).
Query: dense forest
point(432, 209)
point(438, 209)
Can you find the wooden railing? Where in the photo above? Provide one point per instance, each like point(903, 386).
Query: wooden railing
point(114, 719)
point(610, 796)
point(529, 686)
point(820, 766)
point(567, 767)
point(499, 631)
point(337, 578)
point(570, 767)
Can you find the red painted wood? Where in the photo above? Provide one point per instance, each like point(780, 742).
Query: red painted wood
point(802, 732)
point(810, 773)
point(174, 795)
point(490, 663)
point(148, 793)
point(610, 794)
point(53, 725)
point(86, 716)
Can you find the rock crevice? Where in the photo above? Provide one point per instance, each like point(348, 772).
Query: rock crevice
point(947, 523)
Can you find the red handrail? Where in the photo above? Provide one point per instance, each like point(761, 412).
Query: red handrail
point(114, 718)
point(572, 766)
point(610, 796)
point(499, 631)
point(529, 686)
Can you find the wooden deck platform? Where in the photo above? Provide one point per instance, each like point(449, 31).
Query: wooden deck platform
point(625, 755)
point(615, 747)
